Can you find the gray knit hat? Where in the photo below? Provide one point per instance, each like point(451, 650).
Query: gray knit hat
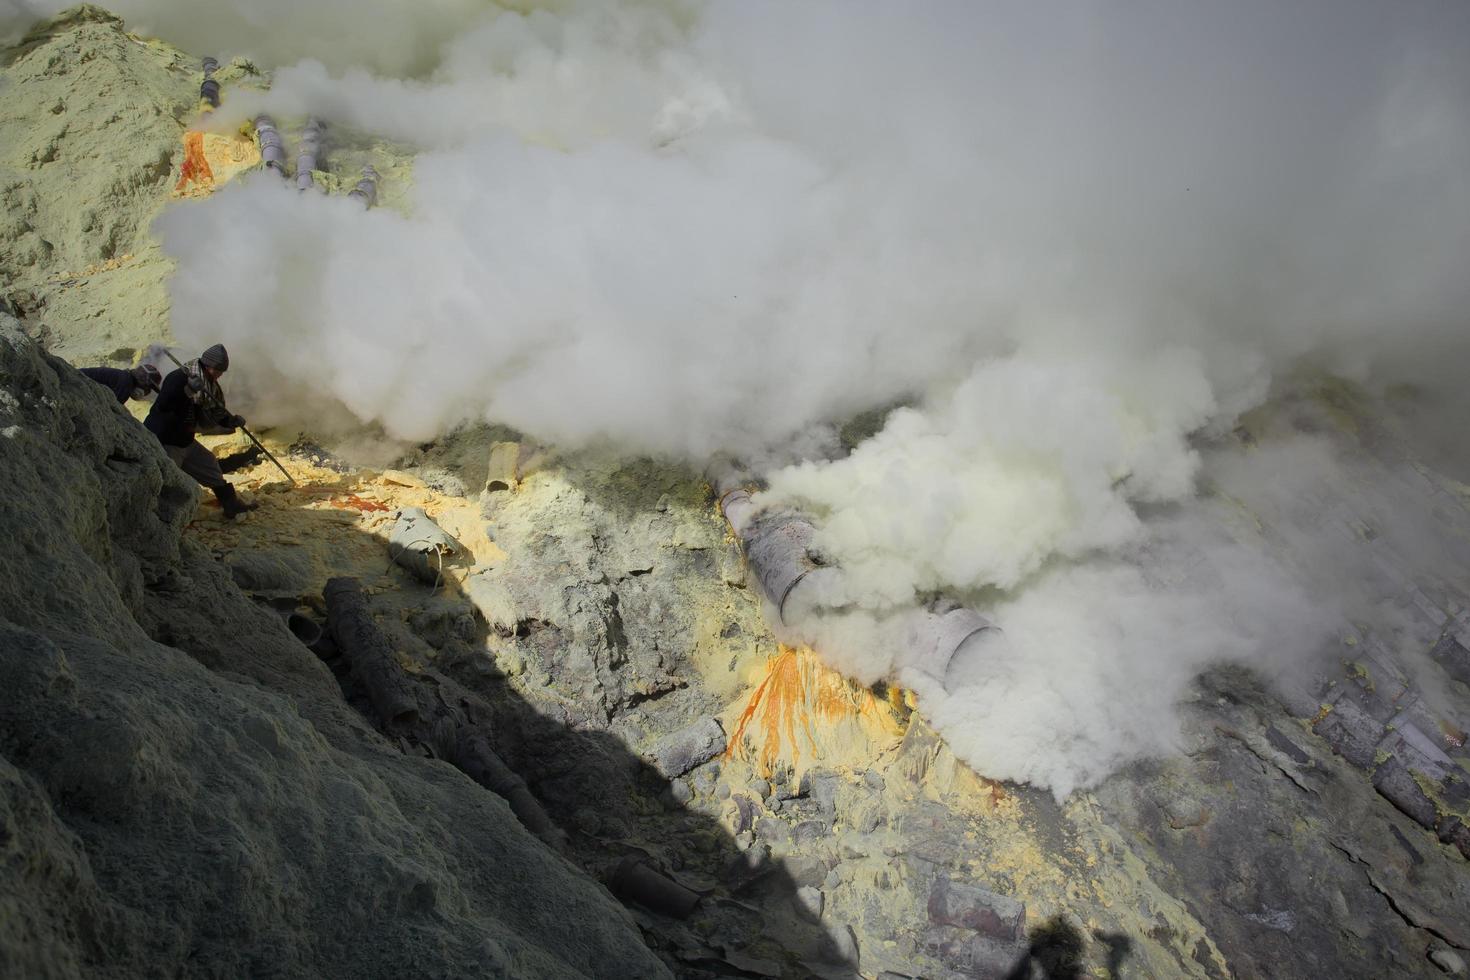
point(216, 357)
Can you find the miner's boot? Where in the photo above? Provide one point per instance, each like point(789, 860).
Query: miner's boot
point(232, 503)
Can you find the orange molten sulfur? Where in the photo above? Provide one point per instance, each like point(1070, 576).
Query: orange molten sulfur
point(354, 502)
point(803, 713)
point(196, 167)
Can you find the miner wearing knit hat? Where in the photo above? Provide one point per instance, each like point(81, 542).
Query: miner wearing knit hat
point(138, 382)
point(191, 402)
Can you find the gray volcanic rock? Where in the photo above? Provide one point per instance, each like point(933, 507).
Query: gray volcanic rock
point(678, 752)
point(208, 805)
point(1296, 867)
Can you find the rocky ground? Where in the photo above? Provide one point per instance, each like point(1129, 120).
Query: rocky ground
point(191, 790)
point(186, 790)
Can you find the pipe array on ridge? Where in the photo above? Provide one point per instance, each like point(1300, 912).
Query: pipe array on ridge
point(308, 153)
point(777, 545)
point(272, 149)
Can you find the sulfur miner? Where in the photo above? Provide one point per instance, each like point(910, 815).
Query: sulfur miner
point(189, 402)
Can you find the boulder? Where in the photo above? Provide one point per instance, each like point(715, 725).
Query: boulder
point(691, 746)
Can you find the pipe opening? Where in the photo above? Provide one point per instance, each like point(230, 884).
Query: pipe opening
point(304, 628)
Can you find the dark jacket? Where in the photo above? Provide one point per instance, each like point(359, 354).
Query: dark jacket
point(180, 412)
point(120, 381)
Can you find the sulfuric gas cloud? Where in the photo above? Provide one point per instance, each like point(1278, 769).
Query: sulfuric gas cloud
point(687, 228)
point(1075, 240)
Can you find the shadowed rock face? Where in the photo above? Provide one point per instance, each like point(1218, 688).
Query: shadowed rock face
point(218, 809)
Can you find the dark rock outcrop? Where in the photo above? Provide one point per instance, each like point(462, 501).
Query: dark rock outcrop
point(183, 790)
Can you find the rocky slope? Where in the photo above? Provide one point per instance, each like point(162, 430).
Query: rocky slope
point(210, 806)
point(90, 119)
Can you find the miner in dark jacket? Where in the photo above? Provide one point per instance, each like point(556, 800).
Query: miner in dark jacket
point(132, 383)
point(191, 402)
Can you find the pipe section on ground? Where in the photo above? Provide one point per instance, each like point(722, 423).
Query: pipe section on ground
point(272, 149)
point(470, 752)
point(777, 545)
point(209, 88)
point(421, 546)
point(635, 881)
point(369, 654)
point(778, 548)
point(309, 153)
point(366, 190)
point(940, 639)
point(307, 630)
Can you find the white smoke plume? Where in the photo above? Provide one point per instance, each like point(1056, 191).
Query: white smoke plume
point(1074, 237)
point(1032, 456)
point(689, 229)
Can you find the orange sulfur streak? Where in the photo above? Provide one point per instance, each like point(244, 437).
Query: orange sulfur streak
point(196, 166)
point(803, 713)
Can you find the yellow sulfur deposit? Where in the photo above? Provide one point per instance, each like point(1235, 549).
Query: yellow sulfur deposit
point(311, 517)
